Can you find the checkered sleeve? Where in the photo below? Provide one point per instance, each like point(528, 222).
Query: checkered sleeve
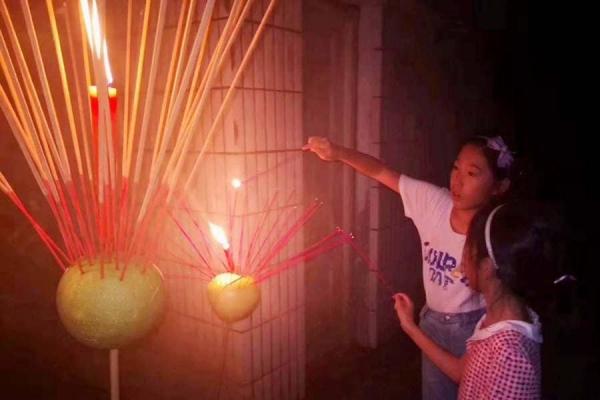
point(516, 374)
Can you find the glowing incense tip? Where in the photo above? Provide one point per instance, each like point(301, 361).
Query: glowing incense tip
point(236, 183)
point(219, 235)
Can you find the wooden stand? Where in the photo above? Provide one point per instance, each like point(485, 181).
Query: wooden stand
point(114, 374)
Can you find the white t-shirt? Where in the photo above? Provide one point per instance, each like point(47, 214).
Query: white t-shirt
point(429, 207)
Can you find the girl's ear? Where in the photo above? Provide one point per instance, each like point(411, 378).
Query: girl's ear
point(502, 187)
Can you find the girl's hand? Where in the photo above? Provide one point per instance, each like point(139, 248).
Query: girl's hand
point(322, 147)
point(405, 310)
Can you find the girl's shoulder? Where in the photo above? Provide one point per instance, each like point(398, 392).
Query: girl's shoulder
point(423, 199)
point(502, 333)
point(512, 342)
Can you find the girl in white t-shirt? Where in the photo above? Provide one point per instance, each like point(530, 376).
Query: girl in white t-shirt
point(479, 176)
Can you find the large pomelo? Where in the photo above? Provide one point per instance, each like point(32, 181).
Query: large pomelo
point(107, 312)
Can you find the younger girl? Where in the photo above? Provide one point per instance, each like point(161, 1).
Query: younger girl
point(507, 259)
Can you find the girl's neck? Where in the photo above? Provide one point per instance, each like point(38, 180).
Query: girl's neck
point(502, 306)
point(460, 220)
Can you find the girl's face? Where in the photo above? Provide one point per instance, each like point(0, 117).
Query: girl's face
point(472, 182)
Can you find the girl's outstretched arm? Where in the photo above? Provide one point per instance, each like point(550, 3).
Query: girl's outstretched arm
point(363, 163)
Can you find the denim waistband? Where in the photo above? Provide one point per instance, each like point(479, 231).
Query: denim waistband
point(466, 317)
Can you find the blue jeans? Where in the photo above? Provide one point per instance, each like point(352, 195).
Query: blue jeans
point(450, 331)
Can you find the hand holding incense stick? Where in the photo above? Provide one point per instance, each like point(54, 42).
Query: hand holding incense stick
point(322, 147)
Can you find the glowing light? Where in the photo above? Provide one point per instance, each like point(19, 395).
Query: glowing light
point(219, 235)
point(236, 183)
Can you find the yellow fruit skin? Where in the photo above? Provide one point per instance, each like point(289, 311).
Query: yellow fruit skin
point(233, 297)
point(109, 313)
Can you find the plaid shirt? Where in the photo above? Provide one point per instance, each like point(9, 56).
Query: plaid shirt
point(504, 365)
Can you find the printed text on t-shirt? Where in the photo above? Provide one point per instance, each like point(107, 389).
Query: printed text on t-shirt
point(440, 264)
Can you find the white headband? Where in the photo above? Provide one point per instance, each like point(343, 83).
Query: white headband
point(488, 242)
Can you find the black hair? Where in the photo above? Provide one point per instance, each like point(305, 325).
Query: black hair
point(491, 155)
point(525, 247)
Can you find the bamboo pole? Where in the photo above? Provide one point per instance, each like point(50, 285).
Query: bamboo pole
point(237, 15)
point(228, 96)
point(179, 152)
point(136, 93)
point(46, 152)
point(184, 136)
point(56, 252)
point(71, 123)
point(172, 91)
point(43, 78)
point(185, 41)
point(88, 79)
point(147, 107)
point(65, 84)
point(182, 89)
point(4, 186)
point(125, 129)
point(114, 374)
point(18, 132)
point(29, 132)
point(150, 89)
point(24, 138)
point(178, 51)
point(201, 35)
point(85, 180)
point(36, 123)
point(84, 130)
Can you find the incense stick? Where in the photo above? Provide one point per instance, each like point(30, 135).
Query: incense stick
point(106, 205)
